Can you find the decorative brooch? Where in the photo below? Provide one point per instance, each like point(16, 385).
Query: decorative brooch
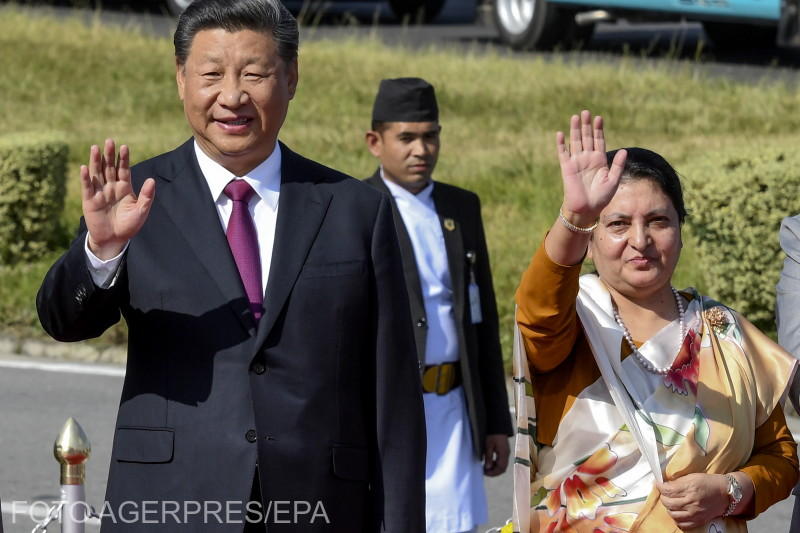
point(717, 319)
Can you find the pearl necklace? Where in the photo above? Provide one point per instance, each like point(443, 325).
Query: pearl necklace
point(650, 367)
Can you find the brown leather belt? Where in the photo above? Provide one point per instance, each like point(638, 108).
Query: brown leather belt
point(441, 379)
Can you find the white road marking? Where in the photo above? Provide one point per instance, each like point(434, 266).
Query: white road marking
point(68, 368)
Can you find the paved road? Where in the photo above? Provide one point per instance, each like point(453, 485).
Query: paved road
point(650, 43)
point(35, 402)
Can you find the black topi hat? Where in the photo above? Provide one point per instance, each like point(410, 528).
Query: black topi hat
point(405, 100)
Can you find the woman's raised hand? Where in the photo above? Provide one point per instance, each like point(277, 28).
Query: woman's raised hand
point(589, 183)
point(112, 211)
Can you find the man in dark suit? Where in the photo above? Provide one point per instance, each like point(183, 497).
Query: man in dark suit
point(447, 274)
point(271, 369)
point(787, 317)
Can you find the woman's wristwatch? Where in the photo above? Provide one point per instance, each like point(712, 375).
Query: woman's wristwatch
point(734, 494)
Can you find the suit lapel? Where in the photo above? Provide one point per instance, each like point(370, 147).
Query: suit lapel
point(410, 270)
point(301, 208)
point(454, 245)
point(184, 194)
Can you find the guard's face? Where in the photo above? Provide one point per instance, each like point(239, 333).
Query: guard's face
point(408, 152)
point(236, 91)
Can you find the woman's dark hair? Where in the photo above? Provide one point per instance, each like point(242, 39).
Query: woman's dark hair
point(646, 164)
point(265, 16)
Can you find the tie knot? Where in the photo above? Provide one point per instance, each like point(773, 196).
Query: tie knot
point(238, 191)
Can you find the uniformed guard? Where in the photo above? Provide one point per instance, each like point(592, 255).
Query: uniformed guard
point(446, 266)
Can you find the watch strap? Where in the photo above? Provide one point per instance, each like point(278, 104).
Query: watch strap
point(734, 494)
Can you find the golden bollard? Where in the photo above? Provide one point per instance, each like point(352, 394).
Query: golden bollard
point(71, 450)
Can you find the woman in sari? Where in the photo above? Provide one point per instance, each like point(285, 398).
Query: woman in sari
point(657, 410)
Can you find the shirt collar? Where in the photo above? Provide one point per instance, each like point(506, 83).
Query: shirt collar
point(424, 196)
point(265, 179)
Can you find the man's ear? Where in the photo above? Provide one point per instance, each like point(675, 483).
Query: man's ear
point(180, 78)
point(374, 143)
point(293, 75)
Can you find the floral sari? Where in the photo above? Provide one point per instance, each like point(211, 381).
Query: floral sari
point(632, 427)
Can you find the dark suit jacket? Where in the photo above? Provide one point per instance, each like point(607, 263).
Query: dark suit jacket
point(324, 392)
point(479, 344)
point(787, 305)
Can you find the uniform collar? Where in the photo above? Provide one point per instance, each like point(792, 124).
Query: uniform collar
point(424, 196)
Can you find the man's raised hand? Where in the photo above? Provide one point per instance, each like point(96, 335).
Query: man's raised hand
point(112, 211)
point(589, 183)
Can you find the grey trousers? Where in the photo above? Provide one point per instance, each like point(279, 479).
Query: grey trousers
point(795, 526)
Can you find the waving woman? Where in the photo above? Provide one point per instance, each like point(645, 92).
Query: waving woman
point(658, 409)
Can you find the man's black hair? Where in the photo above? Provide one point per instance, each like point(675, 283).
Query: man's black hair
point(266, 16)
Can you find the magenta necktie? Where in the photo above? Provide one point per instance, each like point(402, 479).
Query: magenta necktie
point(244, 244)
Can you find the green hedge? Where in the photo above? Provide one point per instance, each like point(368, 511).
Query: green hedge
point(32, 190)
point(736, 201)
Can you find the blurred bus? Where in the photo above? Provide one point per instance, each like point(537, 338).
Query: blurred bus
point(546, 24)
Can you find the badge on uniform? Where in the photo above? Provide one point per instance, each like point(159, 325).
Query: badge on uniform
point(474, 292)
point(449, 224)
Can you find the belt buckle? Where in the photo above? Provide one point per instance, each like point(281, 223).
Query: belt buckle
point(445, 377)
point(430, 379)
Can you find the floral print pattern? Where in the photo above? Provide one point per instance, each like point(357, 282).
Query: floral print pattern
point(580, 497)
point(685, 370)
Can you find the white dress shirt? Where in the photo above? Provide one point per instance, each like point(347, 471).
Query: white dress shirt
point(455, 498)
point(265, 180)
point(425, 231)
